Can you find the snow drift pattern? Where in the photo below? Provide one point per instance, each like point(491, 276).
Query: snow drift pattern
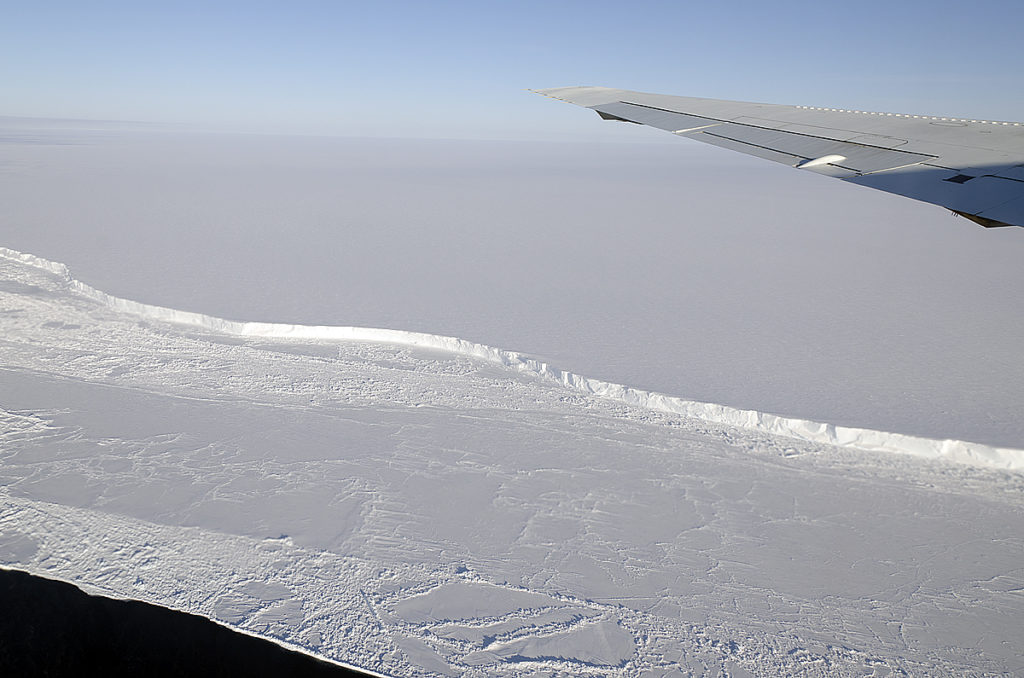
point(975, 454)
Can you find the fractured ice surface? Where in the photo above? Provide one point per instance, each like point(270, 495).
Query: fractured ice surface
point(420, 511)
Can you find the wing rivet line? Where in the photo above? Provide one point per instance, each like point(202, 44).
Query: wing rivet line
point(905, 115)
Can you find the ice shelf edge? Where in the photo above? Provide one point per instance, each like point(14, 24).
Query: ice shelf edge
point(958, 451)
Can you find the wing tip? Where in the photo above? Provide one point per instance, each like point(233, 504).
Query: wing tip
point(581, 95)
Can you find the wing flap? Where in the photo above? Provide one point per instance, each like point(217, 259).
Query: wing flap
point(859, 158)
point(1015, 173)
point(992, 197)
point(1008, 213)
point(670, 121)
point(784, 146)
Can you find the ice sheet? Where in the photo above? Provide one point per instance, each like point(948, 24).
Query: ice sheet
point(426, 512)
point(669, 268)
point(863, 439)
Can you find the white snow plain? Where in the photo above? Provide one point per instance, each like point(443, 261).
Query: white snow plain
point(671, 267)
point(421, 505)
point(423, 512)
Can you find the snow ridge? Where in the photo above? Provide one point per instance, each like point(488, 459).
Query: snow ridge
point(958, 451)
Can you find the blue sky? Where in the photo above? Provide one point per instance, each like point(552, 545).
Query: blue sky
point(460, 69)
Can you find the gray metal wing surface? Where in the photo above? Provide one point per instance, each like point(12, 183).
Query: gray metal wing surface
point(973, 167)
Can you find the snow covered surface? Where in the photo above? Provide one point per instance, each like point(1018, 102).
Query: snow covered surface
point(669, 267)
point(428, 500)
point(426, 512)
point(955, 450)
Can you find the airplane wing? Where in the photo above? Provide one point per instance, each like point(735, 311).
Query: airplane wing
point(973, 167)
